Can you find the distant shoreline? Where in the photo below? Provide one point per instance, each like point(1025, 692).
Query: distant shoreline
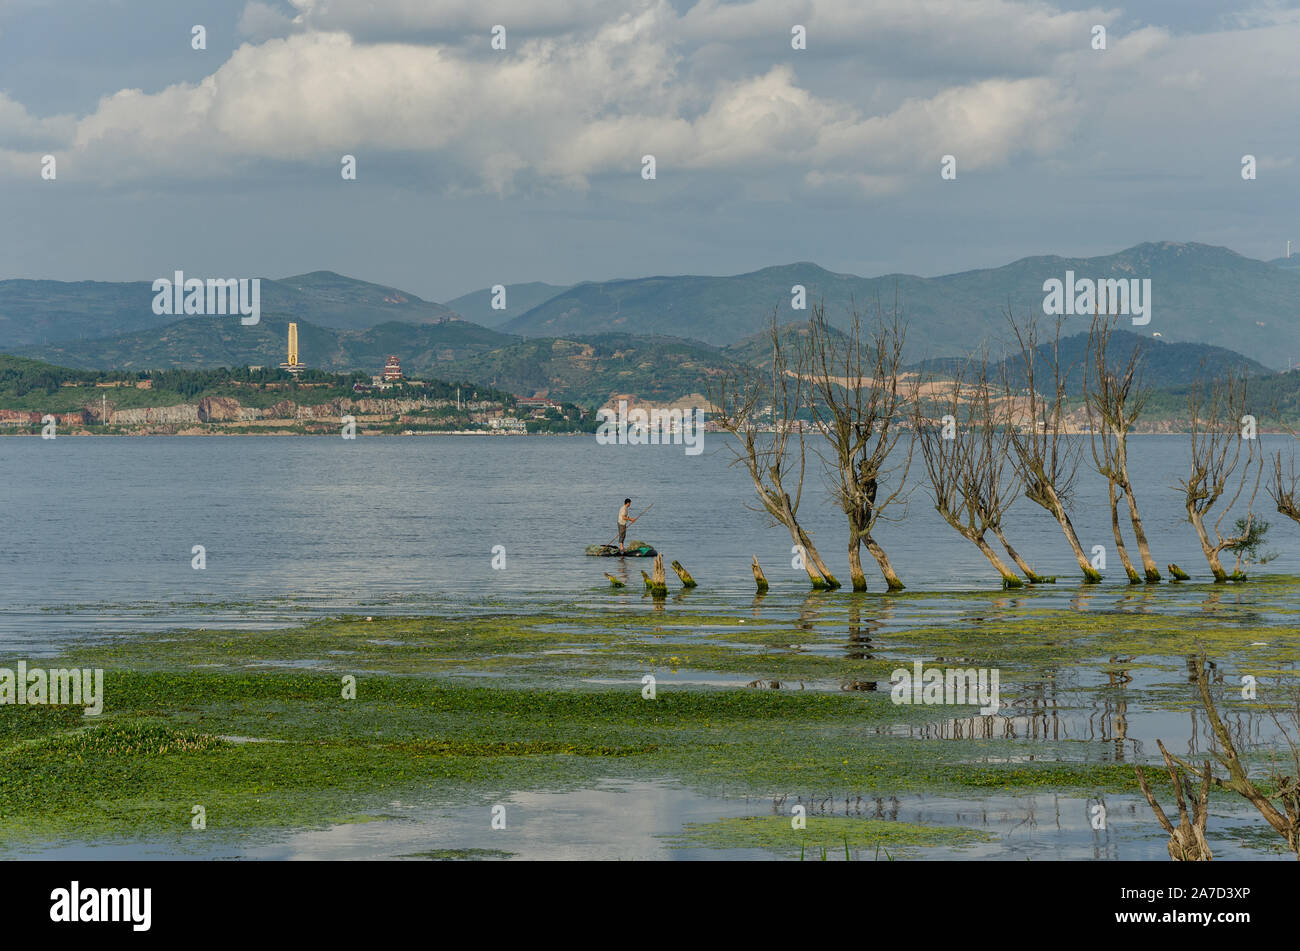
point(252, 432)
point(468, 432)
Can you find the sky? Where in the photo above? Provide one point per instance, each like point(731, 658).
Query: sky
point(478, 166)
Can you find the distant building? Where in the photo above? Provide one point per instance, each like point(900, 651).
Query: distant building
point(392, 370)
point(535, 402)
point(507, 424)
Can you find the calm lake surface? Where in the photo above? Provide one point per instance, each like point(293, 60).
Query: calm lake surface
point(99, 531)
point(99, 535)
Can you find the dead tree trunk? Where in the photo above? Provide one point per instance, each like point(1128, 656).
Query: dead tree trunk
point(967, 469)
point(1149, 571)
point(659, 581)
point(738, 404)
point(1090, 574)
point(1286, 789)
point(1009, 578)
point(859, 395)
point(1115, 397)
point(822, 577)
point(857, 577)
point(1187, 839)
point(685, 576)
point(1045, 456)
point(1023, 565)
point(1129, 570)
point(1285, 489)
point(1216, 454)
point(892, 581)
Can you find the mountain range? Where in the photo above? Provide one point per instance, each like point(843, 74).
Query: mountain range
point(37, 313)
point(1200, 294)
point(660, 337)
point(519, 300)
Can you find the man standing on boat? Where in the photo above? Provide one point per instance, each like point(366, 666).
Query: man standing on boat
point(624, 520)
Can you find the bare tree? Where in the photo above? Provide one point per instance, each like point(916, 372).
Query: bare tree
point(1186, 840)
point(970, 472)
point(776, 466)
point(1046, 459)
point(1284, 787)
point(1282, 487)
point(859, 395)
point(1115, 397)
point(1216, 409)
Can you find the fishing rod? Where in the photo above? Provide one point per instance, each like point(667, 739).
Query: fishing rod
point(638, 515)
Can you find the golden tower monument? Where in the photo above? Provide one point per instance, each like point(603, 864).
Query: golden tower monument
point(292, 364)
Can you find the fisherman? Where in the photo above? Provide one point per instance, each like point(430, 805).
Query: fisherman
point(624, 520)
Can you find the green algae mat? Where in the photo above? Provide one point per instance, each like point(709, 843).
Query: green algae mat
point(304, 727)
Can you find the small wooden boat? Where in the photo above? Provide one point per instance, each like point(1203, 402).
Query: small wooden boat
point(634, 549)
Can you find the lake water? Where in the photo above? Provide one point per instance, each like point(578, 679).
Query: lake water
point(98, 538)
point(98, 531)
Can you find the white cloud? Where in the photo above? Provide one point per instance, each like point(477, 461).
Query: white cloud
point(261, 21)
point(950, 32)
point(560, 111)
point(24, 138)
point(365, 17)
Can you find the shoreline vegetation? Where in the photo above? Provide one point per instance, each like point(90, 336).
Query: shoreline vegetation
point(260, 401)
point(271, 400)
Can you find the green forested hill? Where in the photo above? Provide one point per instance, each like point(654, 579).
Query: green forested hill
point(207, 342)
point(1164, 364)
point(32, 385)
point(591, 369)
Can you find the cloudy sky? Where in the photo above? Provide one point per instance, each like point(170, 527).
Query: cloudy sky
point(478, 166)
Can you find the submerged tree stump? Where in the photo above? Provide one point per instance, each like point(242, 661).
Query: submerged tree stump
point(759, 578)
point(614, 582)
point(1178, 574)
point(682, 573)
point(659, 582)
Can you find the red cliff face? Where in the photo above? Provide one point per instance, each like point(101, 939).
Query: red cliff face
point(219, 409)
point(18, 417)
point(213, 410)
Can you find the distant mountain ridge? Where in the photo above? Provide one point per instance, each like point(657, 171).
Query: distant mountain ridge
point(519, 299)
point(33, 313)
point(1200, 294)
point(1164, 364)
